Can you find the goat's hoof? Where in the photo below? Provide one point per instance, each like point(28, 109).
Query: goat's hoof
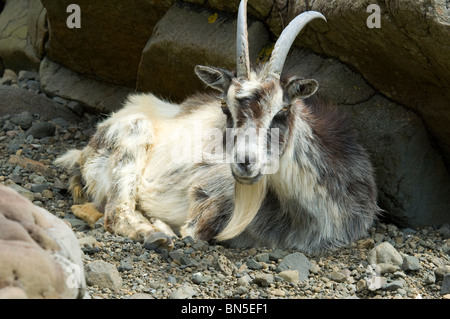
point(157, 241)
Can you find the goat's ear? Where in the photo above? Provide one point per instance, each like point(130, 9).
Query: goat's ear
point(216, 78)
point(301, 88)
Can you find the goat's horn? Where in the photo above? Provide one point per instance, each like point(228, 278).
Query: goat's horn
point(284, 42)
point(242, 55)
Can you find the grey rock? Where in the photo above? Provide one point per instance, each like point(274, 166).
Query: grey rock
point(125, 266)
point(445, 287)
point(383, 268)
point(296, 261)
point(394, 285)
point(184, 292)
point(277, 254)
point(337, 276)
point(385, 253)
point(223, 264)
point(77, 224)
point(103, 274)
point(253, 264)
point(411, 263)
point(263, 280)
point(197, 278)
point(39, 188)
point(264, 257)
point(441, 271)
point(24, 120)
point(244, 280)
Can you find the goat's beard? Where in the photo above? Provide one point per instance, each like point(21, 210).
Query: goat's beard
point(247, 202)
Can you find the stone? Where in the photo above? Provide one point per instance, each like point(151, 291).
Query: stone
point(24, 120)
point(385, 253)
point(225, 265)
point(37, 28)
point(411, 263)
point(200, 36)
point(184, 292)
point(41, 129)
point(16, 51)
point(93, 94)
point(197, 278)
point(244, 280)
point(38, 252)
point(253, 264)
point(441, 271)
point(113, 34)
point(29, 164)
point(290, 276)
point(103, 275)
point(394, 285)
point(264, 257)
point(445, 287)
point(263, 280)
point(15, 100)
point(277, 254)
point(399, 59)
point(296, 261)
point(383, 268)
point(337, 276)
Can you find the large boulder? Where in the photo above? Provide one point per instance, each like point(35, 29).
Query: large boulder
point(186, 36)
point(111, 38)
point(413, 183)
point(16, 51)
point(39, 254)
point(93, 94)
point(407, 59)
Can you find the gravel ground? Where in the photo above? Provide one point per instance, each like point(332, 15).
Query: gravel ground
point(390, 263)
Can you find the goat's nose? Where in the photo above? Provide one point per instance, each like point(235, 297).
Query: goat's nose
point(245, 165)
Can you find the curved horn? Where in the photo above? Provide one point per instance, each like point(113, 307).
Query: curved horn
point(284, 42)
point(242, 55)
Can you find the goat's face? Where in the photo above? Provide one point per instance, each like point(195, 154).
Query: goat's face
point(259, 112)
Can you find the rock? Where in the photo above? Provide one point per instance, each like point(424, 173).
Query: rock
point(16, 51)
point(142, 296)
point(263, 280)
point(253, 264)
point(16, 100)
point(37, 28)
point(277, 254)
point(200, 36)
point(197, 278)
point(394, 285)
point(290, 276)
point(385, 253)
point(264, 257)
point(365, 243)
point(393, 58)
point(383, 268)
point(57, 80)
point(337, 276)
point(24, 120)
point(114, 47)
point(296, 261)
point(244, 280)
point(103, 275)
point(445, 287)
point(38, 252)
point(184, 292)
point(225, 265)
point(29, 164)
point(125, 266)
point(411, 263)
point(88, 240)
point(440, 272)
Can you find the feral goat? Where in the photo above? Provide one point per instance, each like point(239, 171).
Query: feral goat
point(306, 185)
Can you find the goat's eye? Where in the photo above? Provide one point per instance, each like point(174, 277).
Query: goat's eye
point(284, 109)
point(224, 107)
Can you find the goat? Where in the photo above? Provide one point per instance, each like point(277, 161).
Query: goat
point(321, 194)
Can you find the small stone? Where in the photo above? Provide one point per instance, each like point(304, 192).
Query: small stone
point(296, 261)
point(411, 263)
point(264, 257)
point(253, 264)
point(445, 287)
point(39, 188)
point(225, 265)
point(383, 268)
point(197, 278)
point(244, 280)
point(440, 272)
point(394, 285)
point(24, 120)
point(278, 292)
point(277, 254)
point(125, 266)
point(337, 276)
point(290, 276)
point(41, 130)
point(430, 279)
point(368, 243)
point(103, 274)
point(385, 253)
point(263, 280)
point(88, 240)
point(142, 296)
point(47, 194)
point(184, 292)
point(361, 285)
point(241, 290)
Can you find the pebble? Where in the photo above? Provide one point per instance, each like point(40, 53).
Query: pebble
point(445, 287)
point(411, 263)
point(184, 292)
point(290, 276)
point(264, 280)
point(337, 276)
point(296, 261)
point(385, 253)
point(103, 275)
